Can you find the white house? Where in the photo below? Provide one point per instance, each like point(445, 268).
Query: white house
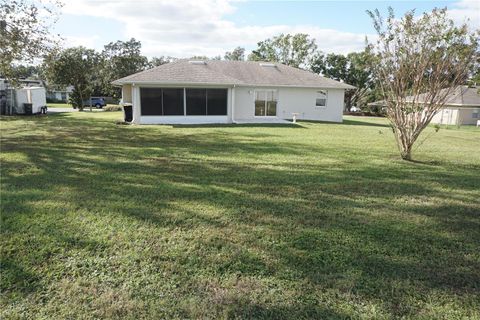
point(190, 92)
point(60, 95)
point(462, 106)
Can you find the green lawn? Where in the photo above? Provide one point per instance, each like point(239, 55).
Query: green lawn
point(318, 220)
point(59, 105)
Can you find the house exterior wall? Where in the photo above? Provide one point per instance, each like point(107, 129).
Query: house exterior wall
point(241, 105)
point(456, 116)
point(446, 116)
point(302, 101)
point(466, 115)
point(127, 93)
point(292, 100)
point(62, 96)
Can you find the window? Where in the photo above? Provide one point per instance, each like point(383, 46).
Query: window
point(173, 102)
point(151, 101)
point(217, 102)
point(266, 103)
point(170, 102)
point(321, 99)
point(196, 102)
point(476, 113)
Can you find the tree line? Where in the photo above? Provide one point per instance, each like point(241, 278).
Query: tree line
point(91, 72)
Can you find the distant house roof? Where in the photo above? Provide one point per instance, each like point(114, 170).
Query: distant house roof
point(461, 96)
point(23, 82)
point(216, 72)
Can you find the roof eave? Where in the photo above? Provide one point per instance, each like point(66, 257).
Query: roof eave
point(140, 82)
point(120, 83)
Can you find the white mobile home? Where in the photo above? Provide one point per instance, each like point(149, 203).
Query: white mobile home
point(190, 92)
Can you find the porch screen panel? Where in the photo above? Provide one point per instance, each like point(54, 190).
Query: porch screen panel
point(151, 101)
point(173, 102)
point(196, 102)
point(217, 102)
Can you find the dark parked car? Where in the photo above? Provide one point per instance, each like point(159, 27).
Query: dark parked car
point(96, 102)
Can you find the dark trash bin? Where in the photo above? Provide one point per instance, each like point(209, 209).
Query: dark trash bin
point(128, 112)
point(28, 108)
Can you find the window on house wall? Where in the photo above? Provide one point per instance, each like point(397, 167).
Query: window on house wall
point(151, 101)
point(173, 102)
point(265, 103)
point(476, 113)
point(321, 98)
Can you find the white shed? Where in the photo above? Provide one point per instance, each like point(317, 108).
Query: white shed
point(12, 99)
point(34, 95)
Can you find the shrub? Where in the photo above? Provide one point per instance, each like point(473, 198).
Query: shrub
point(112, 108)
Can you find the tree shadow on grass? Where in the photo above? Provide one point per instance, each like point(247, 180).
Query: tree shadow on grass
point(317, 223)
point(240, 125)
point(364, 123)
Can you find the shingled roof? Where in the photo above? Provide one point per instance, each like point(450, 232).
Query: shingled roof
point(216, 72)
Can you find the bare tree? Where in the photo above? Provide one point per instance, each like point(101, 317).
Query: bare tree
point(419, 62)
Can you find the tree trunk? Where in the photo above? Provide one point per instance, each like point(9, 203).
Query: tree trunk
point(406, 154)
point(405, 141)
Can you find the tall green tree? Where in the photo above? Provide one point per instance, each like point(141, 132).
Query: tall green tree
point(22, 71)
point(334, 66)
point(237, 54)
point(77, 67)
point(25, 32)
point(158, 61)
point(120, 59)
point(353, 69)
point(293, 50)
point(419, 63)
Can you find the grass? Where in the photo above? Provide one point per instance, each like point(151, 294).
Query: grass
point(311, 221)
point(69, 106)
point(59, 105)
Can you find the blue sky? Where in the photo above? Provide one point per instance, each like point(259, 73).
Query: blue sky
point(211, 27)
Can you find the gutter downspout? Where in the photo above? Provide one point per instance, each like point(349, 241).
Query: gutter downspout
point(233, 104)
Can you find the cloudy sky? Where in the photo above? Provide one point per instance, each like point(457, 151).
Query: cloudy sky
point(183, 28)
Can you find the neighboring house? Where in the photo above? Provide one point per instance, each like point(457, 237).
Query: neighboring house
point(462, 106)
point(13, 100)
point(187, 92)
point(60, 95)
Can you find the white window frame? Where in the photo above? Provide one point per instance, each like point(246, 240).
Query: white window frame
point(477, 113)
point(275, 94)
point(326, 98)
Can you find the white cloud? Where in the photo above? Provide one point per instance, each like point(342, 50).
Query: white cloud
point(75, 41)
point(199, 27)
point(466, 11)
